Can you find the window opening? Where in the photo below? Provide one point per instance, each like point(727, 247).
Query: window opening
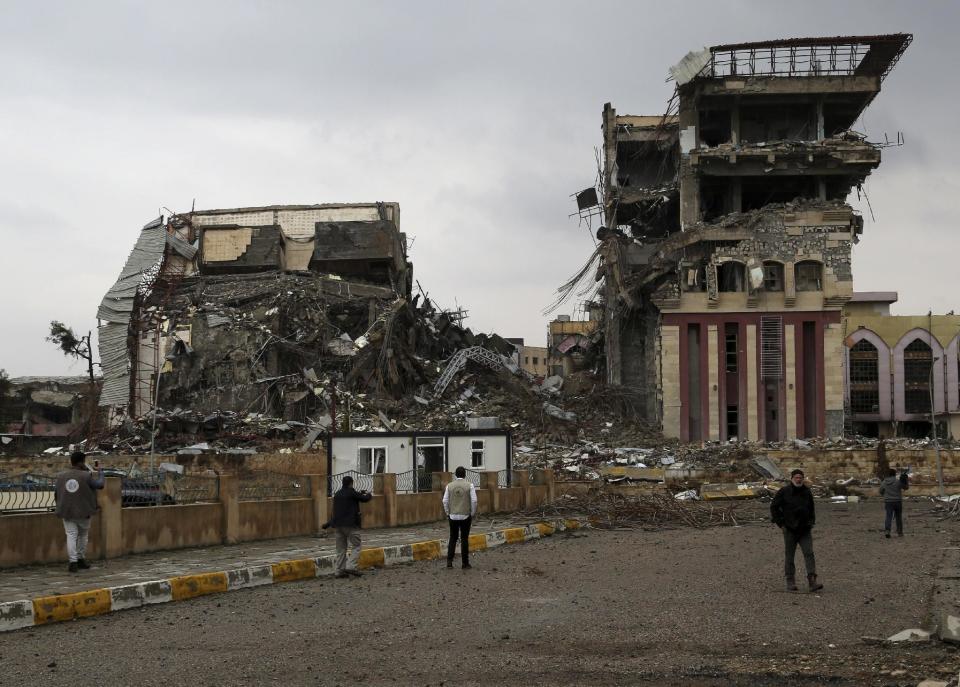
point(773, 276)
point(477, 449)
point(808, 276)
point(864, 378)
point(372, 460)
point(917, 365)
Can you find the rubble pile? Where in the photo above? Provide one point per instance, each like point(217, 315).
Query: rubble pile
point(648, 511)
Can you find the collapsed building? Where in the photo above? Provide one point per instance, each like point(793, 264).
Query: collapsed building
point(726, 250)
point(268, 311)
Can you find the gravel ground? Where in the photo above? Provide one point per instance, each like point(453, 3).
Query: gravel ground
point(680, 607)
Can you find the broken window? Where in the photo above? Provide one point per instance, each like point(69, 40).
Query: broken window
point(730, 348)
point(477, 448)
point(917, 374)
point(808, 275)
point(714, 127)
point(372, 460)
point(732, 276)
point(864, 378)
point(778, 122)
point(536, 360)
point(755, 192)
point(733, 422)
point(772, 276)
point(694, 277)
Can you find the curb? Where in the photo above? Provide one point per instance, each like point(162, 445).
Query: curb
point(43, 610)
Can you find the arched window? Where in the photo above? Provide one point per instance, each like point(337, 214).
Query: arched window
point(731, 277)
point(773, 276)
point(917, 362)
point(808, 275)
point(864, 378)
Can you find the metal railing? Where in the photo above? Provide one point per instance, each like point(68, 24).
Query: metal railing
point(473, 477)
point(406, 481)
point(361, 481)
point(26, 494)
point(414, 481)
point(262, 485)
point(196, 489)
point(503, 479)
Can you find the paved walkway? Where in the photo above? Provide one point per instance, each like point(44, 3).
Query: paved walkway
point(41, 580)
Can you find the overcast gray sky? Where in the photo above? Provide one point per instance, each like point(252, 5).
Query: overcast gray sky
point(480, 119)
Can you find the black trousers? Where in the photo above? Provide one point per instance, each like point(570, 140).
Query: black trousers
point(791, 540)
point(460, 529)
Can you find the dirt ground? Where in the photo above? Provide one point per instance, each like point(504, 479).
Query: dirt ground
point(679, 607)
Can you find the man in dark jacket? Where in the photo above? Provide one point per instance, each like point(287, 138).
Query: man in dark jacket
point(891, 489)
point(76, 503)
point(793, 512)
point(346, 522)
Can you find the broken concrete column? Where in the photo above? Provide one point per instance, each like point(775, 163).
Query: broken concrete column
point(111, 518)
point(230, 501)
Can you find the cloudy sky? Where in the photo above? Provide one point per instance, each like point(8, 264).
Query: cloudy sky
point(480, 119)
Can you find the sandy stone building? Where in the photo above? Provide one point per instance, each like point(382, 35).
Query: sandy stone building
point(726, 251)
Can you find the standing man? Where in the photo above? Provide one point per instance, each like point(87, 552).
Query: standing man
point(793, 512)
point(346, 521)
point(76, 503)
point(892, 491)
point(460, 505)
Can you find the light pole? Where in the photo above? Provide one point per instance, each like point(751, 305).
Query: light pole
point(933, 426)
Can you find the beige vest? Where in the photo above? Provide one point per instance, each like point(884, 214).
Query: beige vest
point(459, 503)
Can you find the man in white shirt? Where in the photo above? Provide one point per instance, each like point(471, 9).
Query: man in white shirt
point(460, 505)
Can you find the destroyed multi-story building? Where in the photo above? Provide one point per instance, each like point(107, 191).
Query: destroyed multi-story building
point(726, 251)
point(261, 310)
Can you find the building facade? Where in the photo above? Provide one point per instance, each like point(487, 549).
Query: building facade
point(726, 255)
point(902, 370)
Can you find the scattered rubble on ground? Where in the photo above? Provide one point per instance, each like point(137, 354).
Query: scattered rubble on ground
point(650, 511)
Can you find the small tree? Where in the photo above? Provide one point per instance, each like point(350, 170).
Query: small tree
point(71, 344)
point(4, 390)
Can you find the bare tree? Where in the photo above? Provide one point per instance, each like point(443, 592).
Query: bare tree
point(71, 344)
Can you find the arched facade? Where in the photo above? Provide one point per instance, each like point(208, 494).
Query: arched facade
point(953, 375)
point(884, 392)
point(899, 374)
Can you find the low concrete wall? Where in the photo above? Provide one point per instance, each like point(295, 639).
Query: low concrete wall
point(416, 508)
point(171, 527)
point(275, 519)
point(862, 463)
point(39, 538)
point(116, 531)
point(511, 499)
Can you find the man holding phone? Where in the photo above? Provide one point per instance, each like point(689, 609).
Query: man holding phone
point(76, 503)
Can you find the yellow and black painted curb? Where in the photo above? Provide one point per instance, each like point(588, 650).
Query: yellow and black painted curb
point(43, 610)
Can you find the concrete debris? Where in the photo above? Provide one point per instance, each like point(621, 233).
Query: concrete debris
point(911, 635)
point(649, 511)
point(949, 628)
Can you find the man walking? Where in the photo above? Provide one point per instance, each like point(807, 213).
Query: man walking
point(346, 521)
point(460, 505)
point(892, 491)
point(793, 512)
point(76, 503)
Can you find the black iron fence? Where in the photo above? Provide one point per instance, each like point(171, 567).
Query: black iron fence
point(361, 481)
point(414, 481)
point(263, 485)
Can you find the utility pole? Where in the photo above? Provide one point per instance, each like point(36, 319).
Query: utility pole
point(933, 426)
